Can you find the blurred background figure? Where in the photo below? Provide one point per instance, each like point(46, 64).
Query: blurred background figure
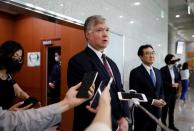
point(171, 79)
point(185, 81)
point(55, 79)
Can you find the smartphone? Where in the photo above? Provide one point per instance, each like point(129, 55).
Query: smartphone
point(87, 81)
point(129, 96)
point(96, 97)
point(30, 100)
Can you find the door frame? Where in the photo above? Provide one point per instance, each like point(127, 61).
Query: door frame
point(55, 42)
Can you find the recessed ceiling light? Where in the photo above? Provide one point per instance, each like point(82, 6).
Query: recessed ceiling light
point(159, 45)
point(177, 16)
point(137, 3)
point(61, 5)
point(131, 22)
point(120, 16)
point(193, 36)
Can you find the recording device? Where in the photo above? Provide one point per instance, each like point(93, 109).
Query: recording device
point(101, 87)
point(129, 96)
point(87, 81)
point(30, 100)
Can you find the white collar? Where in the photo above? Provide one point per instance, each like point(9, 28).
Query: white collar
point(98, 53)
point(147, 67)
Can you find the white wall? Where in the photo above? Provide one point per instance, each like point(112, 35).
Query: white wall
point(150, 23)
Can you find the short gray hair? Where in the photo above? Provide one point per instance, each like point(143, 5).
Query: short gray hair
point(92, 21)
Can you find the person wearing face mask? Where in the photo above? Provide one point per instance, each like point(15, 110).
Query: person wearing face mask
point(54, 79)
point(11, 60)
point(171, 78)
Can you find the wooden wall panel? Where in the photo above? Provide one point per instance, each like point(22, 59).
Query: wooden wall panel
point(30, 32)
point(73, 41)
point(6, 27)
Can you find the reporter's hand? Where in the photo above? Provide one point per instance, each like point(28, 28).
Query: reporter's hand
point(72, 92)
point(16, 107)
point(123, 124)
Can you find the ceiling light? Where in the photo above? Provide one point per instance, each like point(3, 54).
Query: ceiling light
point(131, 22)
point(177, 16)
point(120, 16)
point(193, 36)
point(159, 45)
point(137, 3)
point(61, 5)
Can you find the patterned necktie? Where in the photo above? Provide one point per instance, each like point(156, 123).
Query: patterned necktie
point(152, 77)
point(106, 65)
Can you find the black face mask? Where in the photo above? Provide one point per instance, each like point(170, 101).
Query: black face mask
point(14, 66)
point(174, 61)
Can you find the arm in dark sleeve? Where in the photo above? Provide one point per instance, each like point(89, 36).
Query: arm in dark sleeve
point(166, 84)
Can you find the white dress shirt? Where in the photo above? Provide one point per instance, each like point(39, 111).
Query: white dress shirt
point(171, 69)
point(148, 68)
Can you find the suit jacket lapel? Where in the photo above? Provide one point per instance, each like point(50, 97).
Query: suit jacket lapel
point(96, 61)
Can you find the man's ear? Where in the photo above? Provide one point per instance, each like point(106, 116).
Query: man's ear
point(141, 57)
point(87, 35)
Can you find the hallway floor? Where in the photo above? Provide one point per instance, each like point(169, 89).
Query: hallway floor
point(184, 113)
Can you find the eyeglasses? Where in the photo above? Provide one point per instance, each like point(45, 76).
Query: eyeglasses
point(150, 53)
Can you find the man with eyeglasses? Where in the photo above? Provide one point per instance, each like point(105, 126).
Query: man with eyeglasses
point(92, 58)
point(147, 79)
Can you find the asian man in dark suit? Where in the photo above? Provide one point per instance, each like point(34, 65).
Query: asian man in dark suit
point(90, 59)
point(147, 79)
point(171, 78)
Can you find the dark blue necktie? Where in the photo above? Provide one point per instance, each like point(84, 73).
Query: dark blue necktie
point(152, 77)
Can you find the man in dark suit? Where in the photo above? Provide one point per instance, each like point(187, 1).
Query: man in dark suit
point(147, 80)
point(171, 78)
point(90, 59)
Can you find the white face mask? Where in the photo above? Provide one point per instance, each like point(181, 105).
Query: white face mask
point(56, 58)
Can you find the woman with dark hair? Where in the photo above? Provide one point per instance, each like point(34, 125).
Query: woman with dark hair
point(185, 81)
point(11, 60)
